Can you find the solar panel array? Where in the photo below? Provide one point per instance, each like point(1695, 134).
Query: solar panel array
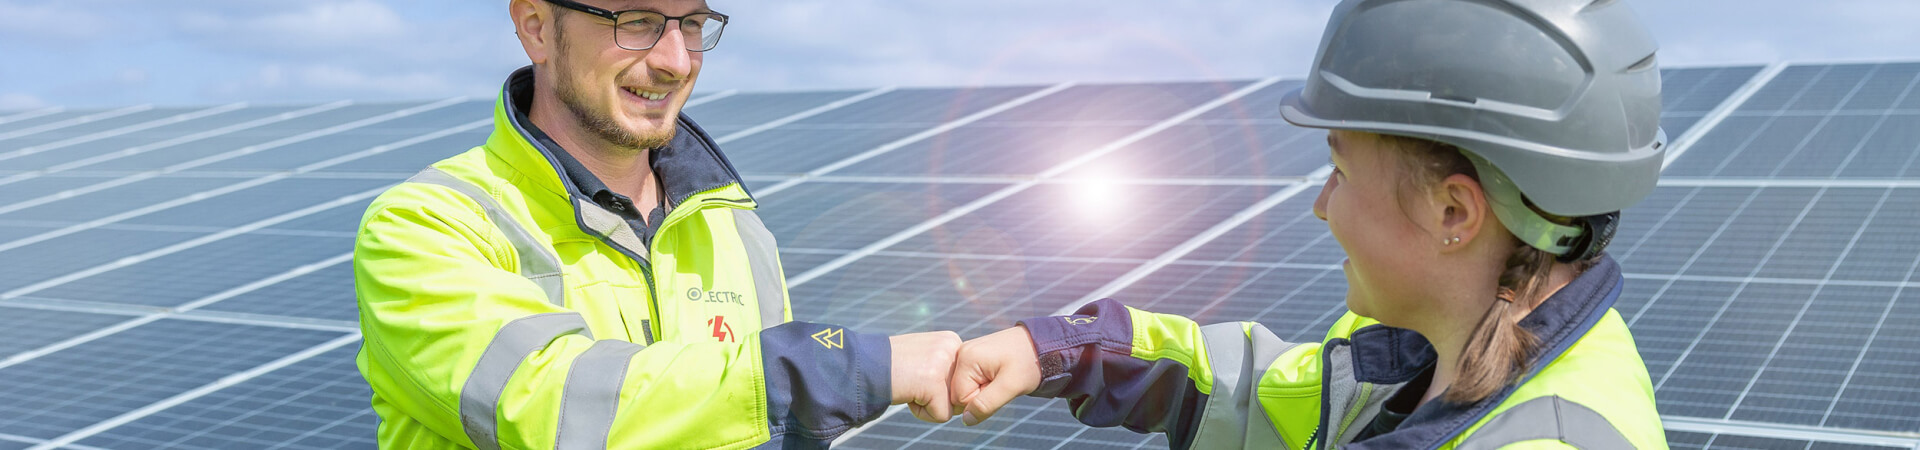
point(180, 277)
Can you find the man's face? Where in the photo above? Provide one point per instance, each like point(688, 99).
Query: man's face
point(629, 99)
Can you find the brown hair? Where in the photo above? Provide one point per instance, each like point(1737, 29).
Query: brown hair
point(1498, 349)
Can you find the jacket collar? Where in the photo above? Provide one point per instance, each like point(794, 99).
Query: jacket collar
point(690, 164)
point(1389, 355)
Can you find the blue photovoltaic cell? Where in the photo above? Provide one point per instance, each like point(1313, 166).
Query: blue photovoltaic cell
point(90, 128)
point(67, 390)
point(22, 123)
point(24, 329)
point(202, 271)
point(1701, 441)
point(37, 187)
point(73, 154)
point(262, 136)
point(796, 261)
point(1687, 95)
point(1849, 121)
point(1088, 220)
point(994, 149)
point(325, 294)
point(740, 111)
point(261, 202)
point(115, 200)
point(410, 159)
point(79, 251)
point(1750, 302)
point(318, 403)
point(378, 135)
point(795, 150)
point(343, 220)
point(1037, 136)
point(848, 216)
point(856, 128)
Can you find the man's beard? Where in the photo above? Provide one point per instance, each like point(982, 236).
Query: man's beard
point(602, 125)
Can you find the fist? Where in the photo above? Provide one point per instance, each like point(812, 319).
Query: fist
point(991, 371)
point(921, 362)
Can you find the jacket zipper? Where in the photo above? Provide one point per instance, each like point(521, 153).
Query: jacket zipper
point(646, 267)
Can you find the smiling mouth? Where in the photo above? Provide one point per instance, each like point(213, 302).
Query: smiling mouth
point(647, 95)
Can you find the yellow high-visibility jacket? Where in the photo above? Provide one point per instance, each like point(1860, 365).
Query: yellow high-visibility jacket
point(502, 308)
point(1237, 385)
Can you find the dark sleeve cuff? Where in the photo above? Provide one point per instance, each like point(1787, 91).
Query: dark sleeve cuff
point(823, 380)
point(1061, 342)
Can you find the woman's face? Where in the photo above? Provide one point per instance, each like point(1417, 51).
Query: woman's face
point(1370, 208)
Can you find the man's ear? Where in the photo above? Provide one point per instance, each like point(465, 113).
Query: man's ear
point(531, 23)
point(1461, 209)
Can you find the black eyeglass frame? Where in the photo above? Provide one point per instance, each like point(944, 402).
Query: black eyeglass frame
point(615, 17)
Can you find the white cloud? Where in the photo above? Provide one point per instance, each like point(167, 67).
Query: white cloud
point(19, 101)
point(49, 23)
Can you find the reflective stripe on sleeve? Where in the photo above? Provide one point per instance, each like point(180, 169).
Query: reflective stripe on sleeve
point(1239, 354)
point(1548, 418)
point(480, 396)
point(537, 262)
point(592, 395)
point(764, 257)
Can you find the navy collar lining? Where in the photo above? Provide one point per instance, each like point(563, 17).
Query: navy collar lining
point(1560, 321)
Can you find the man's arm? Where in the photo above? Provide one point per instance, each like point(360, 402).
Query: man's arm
point(461, 343)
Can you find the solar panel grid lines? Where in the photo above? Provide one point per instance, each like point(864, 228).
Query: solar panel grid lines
point(1727, 106)
point(79, 387)
point(1834, 367)
point(232, 188)
point(917, 137)
point(251, 149)
point(836, 104)
point(1861, 115)
point(191, 243)
point(1794, 325)
point(103, 115)
point(197, 392)
point(1872, 338)
point(1196, 241)
point(1009, 191)
point(1689, 432)
point(83, 162)
point(169, 120)
point(24, 115)
point(315, 403)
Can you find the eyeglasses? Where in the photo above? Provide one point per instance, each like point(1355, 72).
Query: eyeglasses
point(640, 29)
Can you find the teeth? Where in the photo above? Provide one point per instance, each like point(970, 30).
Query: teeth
point(648, 96)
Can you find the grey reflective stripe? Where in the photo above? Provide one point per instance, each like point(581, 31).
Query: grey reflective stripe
point(1348, 400)
point(1233, 417)
point(592, 394)
point(480, 397)
point(764, 256)
point(1548, 418)
point(537, 262)
point(610, 226)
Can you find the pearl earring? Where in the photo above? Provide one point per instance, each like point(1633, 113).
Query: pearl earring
point(1451, 240)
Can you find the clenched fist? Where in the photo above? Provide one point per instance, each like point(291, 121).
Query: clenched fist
point(921, 362)
point(990, 371)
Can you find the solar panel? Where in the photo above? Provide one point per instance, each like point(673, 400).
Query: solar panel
point(68, 390)
point(1819, 121)
point(318, 403)
point(1770, 277)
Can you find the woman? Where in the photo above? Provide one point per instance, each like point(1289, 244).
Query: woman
point(1482, 151)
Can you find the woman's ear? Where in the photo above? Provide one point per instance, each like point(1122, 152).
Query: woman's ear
point(1462, 209)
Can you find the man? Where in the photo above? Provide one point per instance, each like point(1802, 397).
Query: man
point(594, 274)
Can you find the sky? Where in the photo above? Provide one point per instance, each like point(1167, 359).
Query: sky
point(98, 53)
